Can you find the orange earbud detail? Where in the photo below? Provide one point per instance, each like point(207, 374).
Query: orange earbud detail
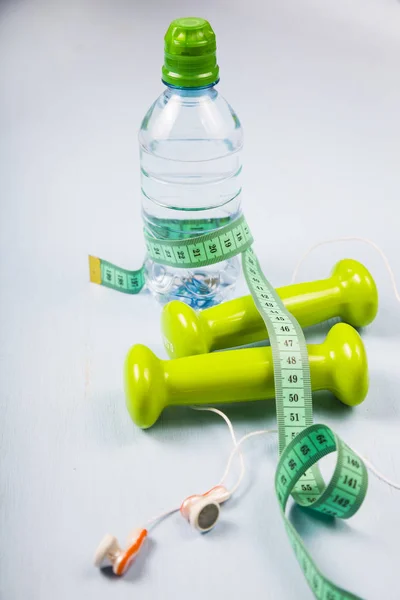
point(110, 551)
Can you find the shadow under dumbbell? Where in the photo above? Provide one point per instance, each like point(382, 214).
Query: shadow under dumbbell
point(325, 404)
point(259, 412)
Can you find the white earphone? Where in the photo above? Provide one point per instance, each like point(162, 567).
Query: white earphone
point(109, 551)
point(201, 511)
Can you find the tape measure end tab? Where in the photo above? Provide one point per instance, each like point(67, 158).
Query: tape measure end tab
point(95, 269)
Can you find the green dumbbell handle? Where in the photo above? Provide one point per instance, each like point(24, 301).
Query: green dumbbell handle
point(350, 293)
point(339, 364)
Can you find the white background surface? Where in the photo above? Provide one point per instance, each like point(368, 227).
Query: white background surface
point(316, 85)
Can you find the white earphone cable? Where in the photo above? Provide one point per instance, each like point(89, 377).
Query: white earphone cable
point(236, 449)
point(235, 443)
point(352, 239)
point(377, 473)
point(368, 463)
point(151, 523)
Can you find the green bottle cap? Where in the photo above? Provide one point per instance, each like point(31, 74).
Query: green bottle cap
point(190, 58)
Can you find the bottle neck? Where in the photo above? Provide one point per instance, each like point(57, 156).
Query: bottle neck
point(191, 91)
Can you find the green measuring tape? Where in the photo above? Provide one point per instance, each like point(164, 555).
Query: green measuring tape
point(169, 245)
point(301, 444)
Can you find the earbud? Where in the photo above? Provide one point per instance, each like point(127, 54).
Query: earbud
point(202, 511)
point(110, 551)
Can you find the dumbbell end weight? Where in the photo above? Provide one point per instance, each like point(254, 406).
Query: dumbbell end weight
point(345, 369)
point(145, 389)
point(183, 331)
point(360, 294)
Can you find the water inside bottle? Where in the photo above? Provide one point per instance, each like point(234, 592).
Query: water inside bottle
point(204, 191)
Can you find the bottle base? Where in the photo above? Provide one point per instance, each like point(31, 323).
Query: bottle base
point(199, 289)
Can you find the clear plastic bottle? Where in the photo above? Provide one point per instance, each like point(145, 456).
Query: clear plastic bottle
point(190, 153)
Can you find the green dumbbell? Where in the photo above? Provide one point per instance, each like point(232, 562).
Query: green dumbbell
point(339, 364)
point(350, 293)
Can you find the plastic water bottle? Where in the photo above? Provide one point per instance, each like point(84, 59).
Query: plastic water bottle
point(190, 153)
